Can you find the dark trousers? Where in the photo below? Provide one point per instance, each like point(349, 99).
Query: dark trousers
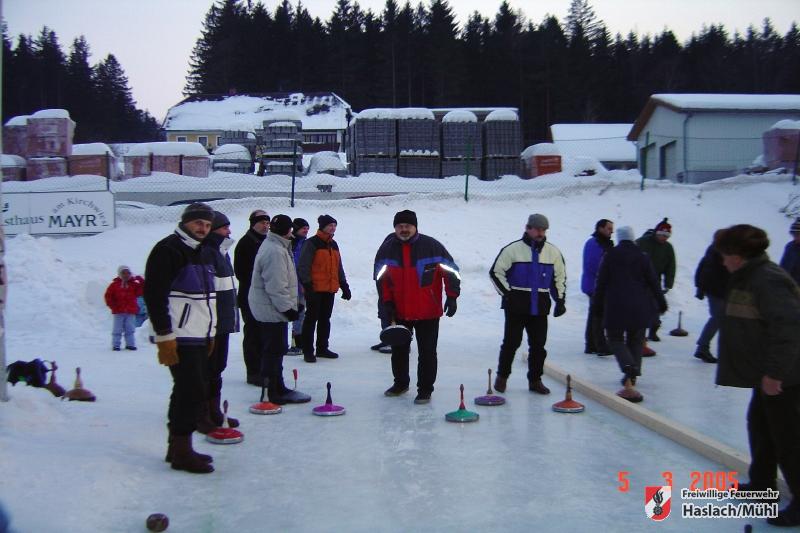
point(536, 328)
point(595, 340)
point(251, 340)
point(217, 364)
point(773, 428)
point(627, 345)
point(716, 308)
point(427, 334)
point(319, 308)
point(189, 387)
point(275, 337)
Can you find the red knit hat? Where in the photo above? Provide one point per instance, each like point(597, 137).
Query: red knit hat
point(664, 228)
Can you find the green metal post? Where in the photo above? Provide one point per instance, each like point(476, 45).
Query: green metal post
point(644, 159)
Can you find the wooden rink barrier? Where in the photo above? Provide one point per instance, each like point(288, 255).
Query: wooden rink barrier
point(697, 442)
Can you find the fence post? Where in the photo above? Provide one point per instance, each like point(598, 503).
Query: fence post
point(796, 160)
point(294, 167)
point(644, 159)
point(466, 172)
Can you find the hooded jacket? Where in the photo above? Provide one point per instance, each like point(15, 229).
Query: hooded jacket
point(121, 296)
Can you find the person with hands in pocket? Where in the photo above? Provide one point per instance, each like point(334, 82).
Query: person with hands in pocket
point(181, 299)
point(527, 273)
point(411, 270)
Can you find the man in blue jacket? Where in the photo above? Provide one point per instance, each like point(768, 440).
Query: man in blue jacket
point(791, 254)
point(527, 273)
point(593, 251)
point(181, 299)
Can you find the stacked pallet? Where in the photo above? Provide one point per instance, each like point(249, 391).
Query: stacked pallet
point(15, 136)
point(13, 167)
point(461, 144)
point(418, 143)
point(49, 143)
point(241, 138)
point(281, 146)
point(189, 159)
point(92, 158)
point(137, 161)
point(503, 142)
point(327, 163)
point(232, 158)
point(375, 141)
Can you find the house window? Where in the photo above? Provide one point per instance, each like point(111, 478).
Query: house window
point(181, 138)
point(218, 139)
point(203, 139)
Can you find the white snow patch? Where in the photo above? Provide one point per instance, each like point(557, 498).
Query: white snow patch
point(460, 115)
point(502, 114)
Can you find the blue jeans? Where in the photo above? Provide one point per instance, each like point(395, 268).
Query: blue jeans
point(716, 307)
point(123, 323)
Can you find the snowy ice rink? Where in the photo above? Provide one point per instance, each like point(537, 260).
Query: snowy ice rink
point(387, 465)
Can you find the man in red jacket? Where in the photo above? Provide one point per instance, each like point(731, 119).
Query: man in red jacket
point(411, 270)
point(121, 298)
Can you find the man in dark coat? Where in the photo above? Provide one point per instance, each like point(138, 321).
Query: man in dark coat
point(243, 257)
point(593, 251)
point(299, 235)
point(711, 280)
point(412, 269)
point(654, 244)
point(791, 254)
point(759, 348)
point(181, 299)
point(628, 297)
point(227, 314)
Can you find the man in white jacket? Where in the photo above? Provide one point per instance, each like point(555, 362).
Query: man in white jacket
point(273, 302)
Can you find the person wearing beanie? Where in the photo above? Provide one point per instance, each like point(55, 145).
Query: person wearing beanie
point(627, 299)
point(790, 260)
point(759, 349)
point(593, 251)
point(711, 280)
point(300, 229)
point(412, 270)
point(273, 302)
point(527, 273)
point(383, 316)
point(654, 243)
point(180, 295)
point(219, 241)
point(321, 274)
point(121, 297)
point(243, 257)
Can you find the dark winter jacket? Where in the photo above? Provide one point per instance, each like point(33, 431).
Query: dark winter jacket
point(527, 273)
point(627, 292)
point(411, 275)
point(227, 311)
point(661, 254)
point(244, 255)
point(759, 333)
point(320, 264)
point(711, 276)
point(121, 296)
point(593, 251)
point(179, 292)
point(791, 260)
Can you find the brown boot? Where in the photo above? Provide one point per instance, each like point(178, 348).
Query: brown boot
point(216, 414)
point(185, 458)
point(201, 456)
point(500, 383)
point(538, 386)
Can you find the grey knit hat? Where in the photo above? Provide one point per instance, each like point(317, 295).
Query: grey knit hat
point(625, 233)
point(538, 221)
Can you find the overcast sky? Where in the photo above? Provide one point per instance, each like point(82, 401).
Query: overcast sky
point(153, 39)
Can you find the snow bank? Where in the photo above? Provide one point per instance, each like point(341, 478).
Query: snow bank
point(51, 113)
point(91, 149)
point(9, 160)
point(502, 114)
point(460, 115)
point(540, 149)
point(176, 148)
point(786, 124)
point(325, 161)
point(20, 120)
point(232, 151)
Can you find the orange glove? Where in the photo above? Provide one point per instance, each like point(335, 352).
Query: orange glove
point(168, 352)
point(210, 347)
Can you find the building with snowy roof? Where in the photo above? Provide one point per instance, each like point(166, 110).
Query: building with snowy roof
point(693, 138)
point(205, 118)
point(607, 143)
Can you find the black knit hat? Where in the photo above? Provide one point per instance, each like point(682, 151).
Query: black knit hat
point(324, 220)
point(299, 223)
point(280, 225)
point(405, 217)
point(220, 220)
point(197, 211)
point(795, 227)
point(259, 215)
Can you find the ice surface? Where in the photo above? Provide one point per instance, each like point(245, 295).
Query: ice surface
point(388, 465)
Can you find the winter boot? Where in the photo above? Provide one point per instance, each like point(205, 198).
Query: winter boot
point(704, 354)
point(185, 458)
point(278, 393)
point(538, 387)
point(170, 452)
point(326, 353)
point(653, 335)
point(422, 398)
point(216, 414)
point(396, 390)
point(309, 357)
point(296, 349)
point(500, 383)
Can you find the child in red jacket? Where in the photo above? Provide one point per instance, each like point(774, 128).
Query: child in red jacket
point(121, 298)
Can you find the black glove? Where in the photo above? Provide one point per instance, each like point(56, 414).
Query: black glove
point(450, 306)
point(291, 314)
point(699, 294)
point(346, 294)
point(560, 308)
